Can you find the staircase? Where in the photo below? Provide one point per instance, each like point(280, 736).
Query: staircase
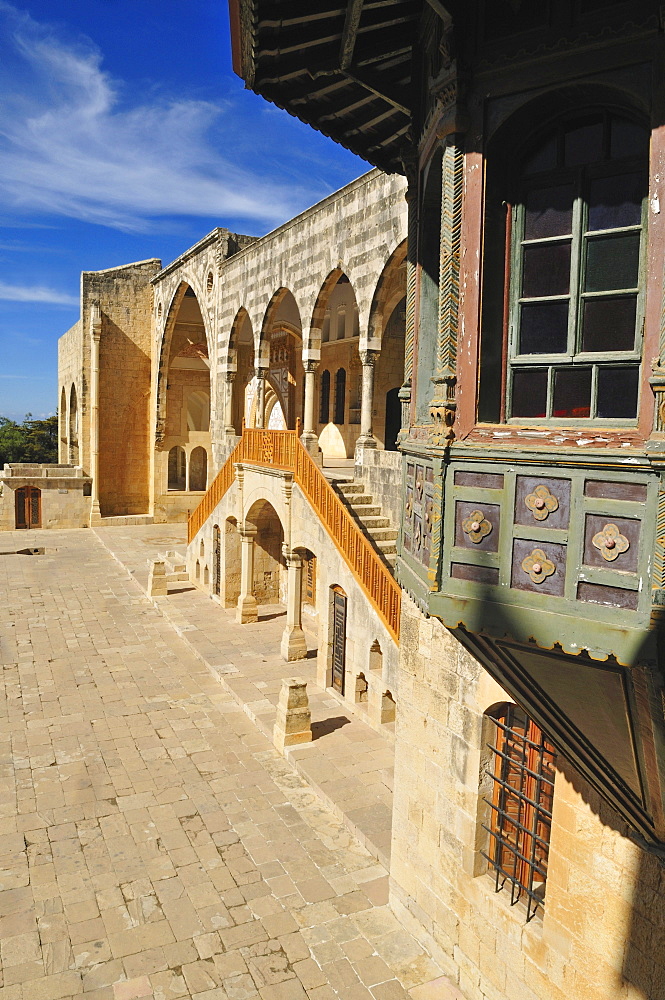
point(375, 525)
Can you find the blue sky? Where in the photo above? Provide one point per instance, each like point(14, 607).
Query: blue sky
point(124, 134)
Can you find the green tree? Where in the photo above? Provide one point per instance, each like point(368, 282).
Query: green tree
point(29, 441)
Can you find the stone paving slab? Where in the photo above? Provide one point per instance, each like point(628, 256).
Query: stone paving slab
point(349, 762)
point(153, 842)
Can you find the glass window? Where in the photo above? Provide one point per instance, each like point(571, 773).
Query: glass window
point(576, 292)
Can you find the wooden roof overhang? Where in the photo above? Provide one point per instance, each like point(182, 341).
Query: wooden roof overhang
point(343, 68)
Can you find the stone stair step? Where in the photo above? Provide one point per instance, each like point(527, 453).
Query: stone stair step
point(387, 548)
point(366, 510)
point(376, 522)
point(350, 487)
point(383, 534)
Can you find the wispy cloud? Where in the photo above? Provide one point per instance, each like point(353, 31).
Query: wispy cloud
point(30, 378)
point(36, 293)
point(72, 143)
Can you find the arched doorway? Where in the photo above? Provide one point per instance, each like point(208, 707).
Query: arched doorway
point(393, 424)
point(73, 436)
point(281, 354)
point(62, 420)
point(184, 395)
point(28, 507)
point(269, 579)
point(241, 354)
point(340, 382)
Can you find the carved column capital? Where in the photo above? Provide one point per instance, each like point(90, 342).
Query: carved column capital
point(311, 366)
point(261, 371)
point(230, 377)
point(369, 357)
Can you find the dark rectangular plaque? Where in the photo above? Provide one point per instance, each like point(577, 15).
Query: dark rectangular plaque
point(477, 574)
point(484, 480)
point(617, 597)
point(615, 491)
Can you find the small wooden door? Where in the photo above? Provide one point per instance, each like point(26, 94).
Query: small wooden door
point(28, 507)
point(339, 641)
point(216, 561)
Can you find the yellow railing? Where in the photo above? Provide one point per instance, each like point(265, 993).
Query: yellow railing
point(283, 450)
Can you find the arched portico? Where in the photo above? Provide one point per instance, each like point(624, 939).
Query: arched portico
point(183, 450)
point(336, 311)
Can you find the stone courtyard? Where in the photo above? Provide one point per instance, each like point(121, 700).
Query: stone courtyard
point(154, 843)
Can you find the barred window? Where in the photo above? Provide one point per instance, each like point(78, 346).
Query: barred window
point(520, 808)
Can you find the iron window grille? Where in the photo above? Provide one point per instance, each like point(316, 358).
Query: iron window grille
point(576, 287)
point(520, 808)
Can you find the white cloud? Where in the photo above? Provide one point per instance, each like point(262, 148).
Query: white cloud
point(73, 144)
point(36, 293)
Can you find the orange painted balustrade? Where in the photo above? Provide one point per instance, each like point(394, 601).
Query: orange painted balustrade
point(283, 450)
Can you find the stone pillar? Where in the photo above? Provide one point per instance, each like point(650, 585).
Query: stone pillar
point(95, 335)
point(260, 373)
point(294, 646)
point(309, 436)
point(293, 723)
point(229, 379)
point(247, 607)
point(367, 439)
point(157, 585)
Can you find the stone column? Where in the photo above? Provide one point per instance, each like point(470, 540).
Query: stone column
point(95, 336)
point(260, 373)
point(229, 379)
point(294, 646)
point(293, 722)
point(247, 607)
point(309, 436)
point(367, 439)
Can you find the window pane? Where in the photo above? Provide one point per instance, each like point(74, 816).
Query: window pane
point(543, 328)
point(611, 262)
point(572, 392)
point(549, 212)
point(583, 144)
point(627, 139)
point(617, 392)
point(616, 201)
point(544, 158)
point(546, 269)
point(609, 324)
point(529, 392)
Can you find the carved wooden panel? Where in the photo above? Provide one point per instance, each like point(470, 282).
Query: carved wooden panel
point(544, 581)
point(486, 536)
point(418, 512)
point(542, 501)
point(606, 548)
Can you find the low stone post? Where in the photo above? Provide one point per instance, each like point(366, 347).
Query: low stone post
point(294, 645)
point(247, 607)
point(293, 724)
point(157, 586)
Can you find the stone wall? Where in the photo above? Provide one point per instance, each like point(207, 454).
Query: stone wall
point(65, 495)
point(381, 473)
point(303, 531)
point(601, 936)
point(124, 295)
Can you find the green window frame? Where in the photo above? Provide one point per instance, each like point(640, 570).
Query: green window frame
point(576, 297)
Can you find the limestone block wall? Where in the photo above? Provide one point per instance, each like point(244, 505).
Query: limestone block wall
point(65, 497)
point(125, 299)
point(370, 650)
point(70, 373)
point(381, 473)
point(602, 935)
